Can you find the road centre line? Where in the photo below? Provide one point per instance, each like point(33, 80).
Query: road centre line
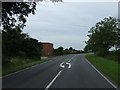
point(71, 59)
point(48, 86)
point(102, 75)
point(68, 62)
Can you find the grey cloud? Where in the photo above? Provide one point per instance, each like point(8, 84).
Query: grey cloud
point(67, 24)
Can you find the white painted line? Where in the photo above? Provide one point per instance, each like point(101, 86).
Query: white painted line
point(48, 86)
point(23, 69)
point(26, 68)
point(69, 65)
point(69, 60)
point(102, 75)
point(61, 65)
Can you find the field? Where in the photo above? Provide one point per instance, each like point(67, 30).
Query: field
point(107, 66)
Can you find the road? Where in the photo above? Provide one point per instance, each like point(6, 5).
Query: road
point(70, 71)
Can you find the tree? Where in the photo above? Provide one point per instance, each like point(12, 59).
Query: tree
point(59, 51)
point(70, 48)
point(14, 17)
point(14, 14)
point(31, 48)
point(66, 51)
point(103, 36)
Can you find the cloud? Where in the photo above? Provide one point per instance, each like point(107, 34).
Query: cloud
point(67, 24)
point(90, 0)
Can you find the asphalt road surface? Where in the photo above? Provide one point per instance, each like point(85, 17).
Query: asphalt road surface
point(70, 71)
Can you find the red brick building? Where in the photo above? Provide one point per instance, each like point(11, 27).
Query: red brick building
point(47, 49)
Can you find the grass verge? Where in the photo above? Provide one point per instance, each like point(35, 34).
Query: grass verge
point(109, 67)
point(19, 64)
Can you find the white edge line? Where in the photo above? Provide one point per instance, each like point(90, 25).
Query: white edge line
point(102, 75)
point(22, 70)
point(48, 86)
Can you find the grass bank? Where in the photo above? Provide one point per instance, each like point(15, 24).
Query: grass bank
point(19, 64)
point(107, 66)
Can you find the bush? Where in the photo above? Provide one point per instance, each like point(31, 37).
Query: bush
point(22, 54)
point(115, 54)
point(101, 52)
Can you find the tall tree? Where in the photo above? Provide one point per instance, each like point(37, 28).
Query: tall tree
point(14, 14)
point(103, 36)
point(14, 17)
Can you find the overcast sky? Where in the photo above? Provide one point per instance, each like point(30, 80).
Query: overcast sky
point(67, 24)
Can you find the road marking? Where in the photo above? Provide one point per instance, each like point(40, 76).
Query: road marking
point(68, 64)
point(48, 86)
point(69, 60)
point(61, 65)
point(27, 68)
point(102, 75)
point(72, 58)
point(22, 70)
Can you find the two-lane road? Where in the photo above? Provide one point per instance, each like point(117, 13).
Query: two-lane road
point(70, 71)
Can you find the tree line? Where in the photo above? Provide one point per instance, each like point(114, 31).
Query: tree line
point(103, 36)
point(61, 51)
point(15, 43)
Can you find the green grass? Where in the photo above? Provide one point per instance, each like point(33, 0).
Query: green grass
point(108, 67)
point(19, 64)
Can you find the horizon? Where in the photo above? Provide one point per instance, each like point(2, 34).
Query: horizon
point(67, 24)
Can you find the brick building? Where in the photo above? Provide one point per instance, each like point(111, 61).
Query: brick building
point(47, 49)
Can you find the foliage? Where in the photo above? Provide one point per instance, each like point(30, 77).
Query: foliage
point(19, 45)
point(15, 43)
point(58, 51)
point(73, 51)
point(103, 36)
point(14, 14)
point(113, 55)
point(11, 42)
point(70, 48)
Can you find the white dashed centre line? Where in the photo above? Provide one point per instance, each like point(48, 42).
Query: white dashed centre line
point(48, 86)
